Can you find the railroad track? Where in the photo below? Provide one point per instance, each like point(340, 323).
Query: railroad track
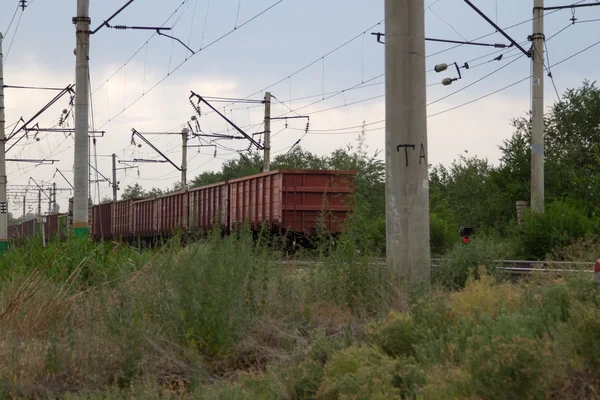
point(515, 268)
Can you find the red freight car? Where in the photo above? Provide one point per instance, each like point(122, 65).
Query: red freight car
point(102, 221)
point(52, 227)
point(14, 231)
point(294, 200)
point(208, 207)
point(145, 218)
point(123, 219)
point(172, 213)
point(29, 229)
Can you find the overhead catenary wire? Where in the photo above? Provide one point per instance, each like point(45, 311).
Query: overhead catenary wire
point(187, 59)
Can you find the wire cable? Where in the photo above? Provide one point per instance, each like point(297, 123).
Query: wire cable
point(11, 21)
point(475, 82)
point(189, 58)
point(12, 40)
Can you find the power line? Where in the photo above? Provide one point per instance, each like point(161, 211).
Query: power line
point(512, 84)
point(187, 59)
point(11, 21)
point(475, 82)
point(12, 40)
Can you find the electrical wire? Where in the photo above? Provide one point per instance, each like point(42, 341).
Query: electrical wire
point(189, 58)
point(140, 49)
point(475, 82)
point(11, 21)
point(513, 84)
point(12, 40)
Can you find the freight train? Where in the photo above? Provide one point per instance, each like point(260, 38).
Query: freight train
point(292, 204)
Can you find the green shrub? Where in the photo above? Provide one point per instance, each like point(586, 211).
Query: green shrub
point(561, 224)
point(582, 335)
point(457, 263)
point(443, 235)
point(359, 373)
point(505, 361)
point(303, 381)
point(410, 377)
point(211, 291)
point(394, 335)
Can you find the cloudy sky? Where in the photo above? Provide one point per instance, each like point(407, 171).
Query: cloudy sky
point(317, 57)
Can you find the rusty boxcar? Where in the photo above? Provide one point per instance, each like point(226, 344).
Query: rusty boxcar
point(294, 200)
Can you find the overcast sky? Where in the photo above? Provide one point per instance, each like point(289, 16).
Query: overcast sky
point(256, 55)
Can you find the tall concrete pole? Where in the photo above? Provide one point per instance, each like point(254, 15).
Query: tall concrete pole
point(115, 184)
point(267, 155)
point(184, 147)
point(407, 170)
point(537, 110)
point(3, 180)
point(39, 213)
point(81, 195)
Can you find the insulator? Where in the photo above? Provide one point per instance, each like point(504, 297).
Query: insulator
point(119, 27)
point(500, 46)
point(441, 67)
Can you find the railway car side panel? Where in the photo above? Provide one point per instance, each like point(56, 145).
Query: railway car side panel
point(102, 221)
point(123, 219)
point(256, 199)
point(316, 198)
point(172, 213)
point(209, 207)
point(145, 218)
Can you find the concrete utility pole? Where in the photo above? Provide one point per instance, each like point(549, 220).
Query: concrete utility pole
point(114, 182)
point(184, 136)
point(537, 110)
point(267, 155)
point(407, 170)
point(39, 213)
point(81, 192)
point(3, 180)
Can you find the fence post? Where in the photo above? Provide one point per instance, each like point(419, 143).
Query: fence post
point(597, 272)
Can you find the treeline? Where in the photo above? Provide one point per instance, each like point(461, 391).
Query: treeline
point(473, 191)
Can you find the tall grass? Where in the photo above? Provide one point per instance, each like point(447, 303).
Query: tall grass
point(225, 318)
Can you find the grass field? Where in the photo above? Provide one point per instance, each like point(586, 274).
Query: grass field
point(225, 319)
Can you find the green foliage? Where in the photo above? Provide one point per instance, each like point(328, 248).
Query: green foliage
point(560, 225)
point(359, 373)
point(303, 381)
point(482, 250)
point(213, 290)
point(509, 366)
point(395, 335)
point(443, 234)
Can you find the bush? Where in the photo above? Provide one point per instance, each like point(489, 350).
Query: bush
point(394, 335)
point(510, 367)
point(443, 236)
point(303, 381)
point(359, 373)
point(482, 250)
point(561, 224)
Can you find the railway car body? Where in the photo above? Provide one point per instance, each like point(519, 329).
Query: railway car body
point(296, 202)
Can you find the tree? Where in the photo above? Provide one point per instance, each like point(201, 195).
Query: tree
point(155, 192)
point(133, 192)
point(572, 148)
